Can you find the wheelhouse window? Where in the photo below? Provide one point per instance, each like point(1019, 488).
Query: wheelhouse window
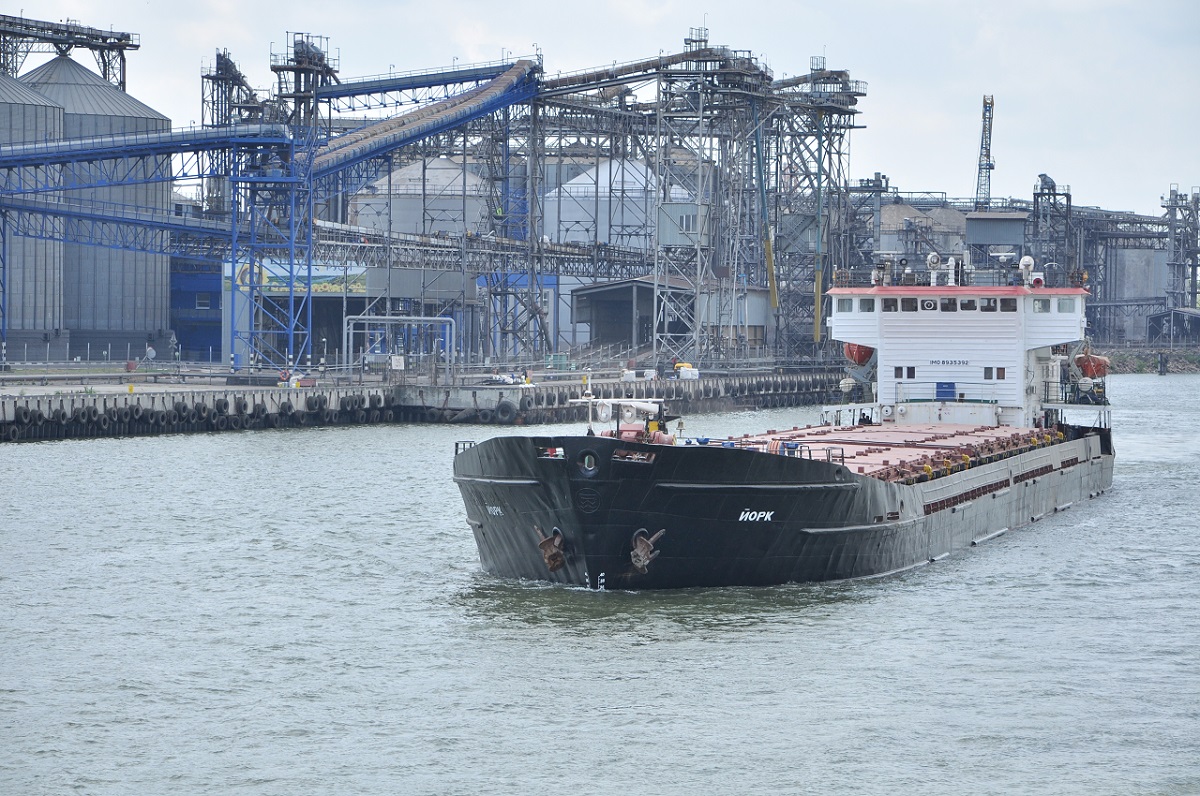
point(899, 372)
point(987, 305)
point(929, 305)
point(1000, 373)
point(988, 374)
point(845, 305)
point(1066, 303)
point(949, 305)
point(908, 304)
point(866, 305)
point(890, 305)
point(912, 372)
point(1041, 305)
point(967, 305)
point(1008, 305)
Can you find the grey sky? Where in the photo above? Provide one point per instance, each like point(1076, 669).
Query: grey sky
point(1099, 94)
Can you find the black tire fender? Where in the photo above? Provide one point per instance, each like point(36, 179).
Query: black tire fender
point(505, 412)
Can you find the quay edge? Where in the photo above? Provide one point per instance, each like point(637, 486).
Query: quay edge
point(119, 410)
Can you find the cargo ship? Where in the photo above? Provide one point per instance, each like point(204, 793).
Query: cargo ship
point(971, 407)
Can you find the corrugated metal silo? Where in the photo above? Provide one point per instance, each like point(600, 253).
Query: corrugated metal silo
point(34, 267)
point(1137, 276)
point(110, 297)
point(428, 197)
point(613, 202)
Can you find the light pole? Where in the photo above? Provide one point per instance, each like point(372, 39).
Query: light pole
point(345, 302)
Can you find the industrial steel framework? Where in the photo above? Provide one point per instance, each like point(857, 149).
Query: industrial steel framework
point(816, 227)
point(19, 37)
point(748, 176)
point(1051, 233)
point(736, 160)
point(703, 147)
point(486, 118)
point(1183, 248)
point(714, 136)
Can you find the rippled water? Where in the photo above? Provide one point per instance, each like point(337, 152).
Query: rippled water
point(302, 611)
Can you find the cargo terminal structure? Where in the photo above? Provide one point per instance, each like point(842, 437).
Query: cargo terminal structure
point(488, 212)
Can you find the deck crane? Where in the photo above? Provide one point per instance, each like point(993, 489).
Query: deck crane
point(983, 178)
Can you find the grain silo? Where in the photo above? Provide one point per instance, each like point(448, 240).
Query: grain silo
point(114, 301)
point(612, 203)
point(427, 197)
point(33, 276)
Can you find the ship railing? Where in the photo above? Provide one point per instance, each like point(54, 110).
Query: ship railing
point(462, 445)
point(835, 455)
point(790, 448)
point(796, 450)
point(963, 392)
point(852, 414)
point(1077, 392)
point(908, 276)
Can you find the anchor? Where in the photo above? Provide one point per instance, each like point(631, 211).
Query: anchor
point(643, 548)
point(552, 548)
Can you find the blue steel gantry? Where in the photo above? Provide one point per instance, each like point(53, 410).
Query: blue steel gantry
point(273, 172)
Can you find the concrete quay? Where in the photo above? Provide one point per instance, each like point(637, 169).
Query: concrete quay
point(50, 406)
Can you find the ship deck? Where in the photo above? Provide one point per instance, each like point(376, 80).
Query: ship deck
point(896, 452)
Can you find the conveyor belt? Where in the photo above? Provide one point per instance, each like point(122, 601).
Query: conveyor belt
point(131, 145)
point(514, 86)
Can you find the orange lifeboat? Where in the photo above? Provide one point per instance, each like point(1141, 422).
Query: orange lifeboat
point(1092, 365)
point(858, 354)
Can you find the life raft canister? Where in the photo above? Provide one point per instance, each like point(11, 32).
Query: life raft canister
point(858, 354)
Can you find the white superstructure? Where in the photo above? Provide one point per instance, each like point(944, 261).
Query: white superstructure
point(964, 354)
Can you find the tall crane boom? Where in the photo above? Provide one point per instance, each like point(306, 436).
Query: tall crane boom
point(983, 178)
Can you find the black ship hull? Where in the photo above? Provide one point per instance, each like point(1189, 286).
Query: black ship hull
point(604, 513)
